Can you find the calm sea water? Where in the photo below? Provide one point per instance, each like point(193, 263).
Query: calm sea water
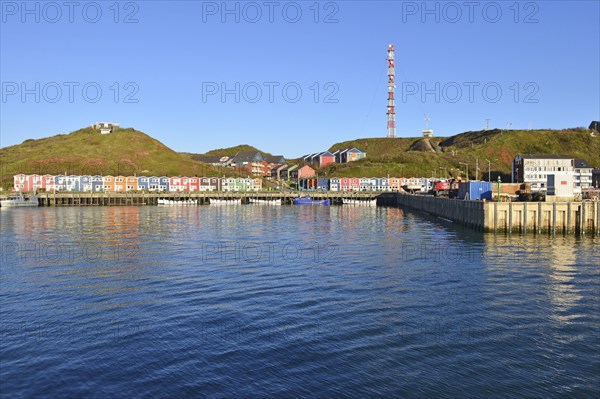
point(262, 301)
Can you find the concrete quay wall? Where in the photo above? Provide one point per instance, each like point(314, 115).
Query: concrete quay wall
point(555, 217)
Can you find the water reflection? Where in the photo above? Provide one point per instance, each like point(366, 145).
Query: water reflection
point(546, 266)
point(563, 292)
point(87, 253)
point(401, 294)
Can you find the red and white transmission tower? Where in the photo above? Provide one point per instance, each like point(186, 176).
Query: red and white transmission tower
point(391, 108)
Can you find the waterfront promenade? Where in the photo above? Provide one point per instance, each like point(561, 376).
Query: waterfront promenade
point(200, 198)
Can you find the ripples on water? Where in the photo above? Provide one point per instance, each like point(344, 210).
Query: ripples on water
point(259, 301)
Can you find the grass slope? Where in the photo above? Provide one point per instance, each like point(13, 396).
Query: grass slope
point(231, 151)
point(395, 157)
point(128, 152)
point(86, 151)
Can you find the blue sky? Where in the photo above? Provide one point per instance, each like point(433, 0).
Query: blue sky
point(162, 67)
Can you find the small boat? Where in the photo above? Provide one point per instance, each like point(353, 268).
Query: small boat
point(19, 200)
point(310, 201)
point(264, 201)
point(372, 202)
point(175, 202)
point(228, 201)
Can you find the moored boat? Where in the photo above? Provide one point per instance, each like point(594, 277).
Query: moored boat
point(310, 201)
point(264, 201)
point(228, 201)
point(176, 202)
point(19, 200)
point(372, 202)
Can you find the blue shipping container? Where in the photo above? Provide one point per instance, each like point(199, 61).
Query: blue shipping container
point(475, 190)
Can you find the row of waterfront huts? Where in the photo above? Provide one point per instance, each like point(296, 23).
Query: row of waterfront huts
point(86, 183)
point(365, 184)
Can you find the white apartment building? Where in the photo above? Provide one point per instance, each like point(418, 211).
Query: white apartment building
point(535, 168)
point(583, 175)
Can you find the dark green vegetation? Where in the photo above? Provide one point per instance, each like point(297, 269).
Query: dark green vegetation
point(413, 156)
point(231, 151)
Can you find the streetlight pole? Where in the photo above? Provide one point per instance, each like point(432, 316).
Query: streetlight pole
point(499, 181)
point(489, 170)
point(467, 165)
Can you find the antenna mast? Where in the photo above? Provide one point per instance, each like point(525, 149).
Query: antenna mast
point(391, 111)
point(427, 132)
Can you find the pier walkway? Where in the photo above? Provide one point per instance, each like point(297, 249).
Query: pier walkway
point(199, 198)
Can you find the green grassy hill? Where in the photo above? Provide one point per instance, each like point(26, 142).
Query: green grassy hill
point(413, 157)
point(231, 151)
point(380, 147)
point(128, 152)
point(86, 151)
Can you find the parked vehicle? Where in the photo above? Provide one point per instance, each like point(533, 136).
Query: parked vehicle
point(441, 188)
point(453, 189)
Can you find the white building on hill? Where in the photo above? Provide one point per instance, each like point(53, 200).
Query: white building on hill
point(106, 127)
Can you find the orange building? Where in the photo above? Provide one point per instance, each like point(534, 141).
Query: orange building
point(131, 183)
point(109, 183)
point(119, 184)
point(395, 184)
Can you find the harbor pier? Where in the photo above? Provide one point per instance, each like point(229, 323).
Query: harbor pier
point(194, 198)
point(506, 217)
